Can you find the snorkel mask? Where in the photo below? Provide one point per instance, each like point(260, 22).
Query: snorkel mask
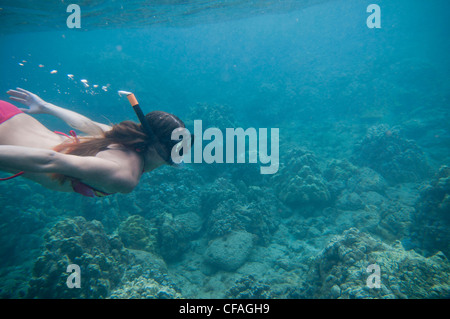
point(149, 131)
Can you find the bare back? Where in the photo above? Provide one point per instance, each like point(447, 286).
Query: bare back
point(24, 130)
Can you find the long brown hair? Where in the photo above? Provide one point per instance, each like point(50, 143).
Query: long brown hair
point(128, 134)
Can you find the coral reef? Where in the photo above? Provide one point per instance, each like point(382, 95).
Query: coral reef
point(431, 227)
point(394, 221)
point(300, 181)
point(366, 180)
point(228, 207)
point(144, 288)
point(219, 191)
point(340, 270)
point(137, 233)
point(342, 175)
point(166, 190)
point(350, 201)
point(146, 277)
point(249, 287)
point(387, 152)
point(255, 218)
point(364, 200)
point(101, 258)
point(337, 173)
point(176, 232)
point(228, 235)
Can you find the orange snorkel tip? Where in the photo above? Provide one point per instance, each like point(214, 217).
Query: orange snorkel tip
point(130, 96)
point(137, 109)
point(132, 99)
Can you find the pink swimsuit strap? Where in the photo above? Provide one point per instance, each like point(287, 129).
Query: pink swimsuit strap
point(12, 176)
point(72, 133)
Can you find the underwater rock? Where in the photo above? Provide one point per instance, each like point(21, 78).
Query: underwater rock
point(337, 173)
point(137, 233)
point(230, 207)
point(145, 260)
point(367, 180)
point(146, 277)
point(190, 224)
point(176, 232)
point(340, 270)
point(338, 169)
point(101, 259)
point(308, 228)
point(373, 198)
point(431, 227)
point(300, 182)
point(230, 251)
point(342, 175)
point(255, 217)
point(387, 152)
point(349, 201)
point(351, 185)
point(395, 222)
point(249, 287)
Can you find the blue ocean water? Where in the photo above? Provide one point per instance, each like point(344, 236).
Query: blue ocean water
point(364, 144)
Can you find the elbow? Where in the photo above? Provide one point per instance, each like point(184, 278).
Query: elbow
point(48, 162)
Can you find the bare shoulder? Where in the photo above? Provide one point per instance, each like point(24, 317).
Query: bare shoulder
point(130, 164)
point(120, 155)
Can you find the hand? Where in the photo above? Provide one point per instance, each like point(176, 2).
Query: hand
point(35, 104)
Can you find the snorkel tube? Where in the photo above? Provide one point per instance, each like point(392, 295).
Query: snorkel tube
point(137, 109)
point(147, 129)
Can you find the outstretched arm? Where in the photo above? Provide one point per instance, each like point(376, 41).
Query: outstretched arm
point(75, 120)
point(113, 176)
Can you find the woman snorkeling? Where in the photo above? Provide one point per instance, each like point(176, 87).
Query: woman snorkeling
point(111, 159)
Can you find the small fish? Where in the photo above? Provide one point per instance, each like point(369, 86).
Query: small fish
point(70, 76)
point(21, 64)
point(53, 71)
point(104, 88)
point(41, 65)
point(95, 85)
